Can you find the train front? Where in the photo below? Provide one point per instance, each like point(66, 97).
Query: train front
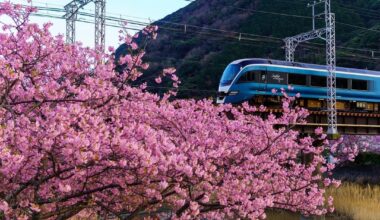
point(225, 94)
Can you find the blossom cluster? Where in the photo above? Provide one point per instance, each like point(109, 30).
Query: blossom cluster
point(77, 138)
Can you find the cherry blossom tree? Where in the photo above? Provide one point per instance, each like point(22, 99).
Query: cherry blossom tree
point(364, 143)
point(78, 139)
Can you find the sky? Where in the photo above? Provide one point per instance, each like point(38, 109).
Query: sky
point(141, 10)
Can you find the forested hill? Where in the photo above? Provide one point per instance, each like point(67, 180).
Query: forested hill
point(211, 38)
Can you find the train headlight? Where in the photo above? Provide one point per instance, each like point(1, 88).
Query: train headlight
point(232, 93)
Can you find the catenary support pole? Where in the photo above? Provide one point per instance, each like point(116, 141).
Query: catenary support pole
point(326, 33)
point(100, 21)
point(100, 24)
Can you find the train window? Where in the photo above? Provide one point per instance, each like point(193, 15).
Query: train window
point(297, 79)
point(319, 81)
point(248, 77)
point(359, 84)
point(341, 83)
point(263, 76)
point(277, 78)
point(243, 79)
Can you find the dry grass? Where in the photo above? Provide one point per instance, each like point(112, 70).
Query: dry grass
point(357, 201)
point(354, 201)
point(282, 215)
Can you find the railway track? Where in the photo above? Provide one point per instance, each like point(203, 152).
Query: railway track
point(349, 123)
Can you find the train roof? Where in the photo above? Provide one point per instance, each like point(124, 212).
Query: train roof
point(249, 61)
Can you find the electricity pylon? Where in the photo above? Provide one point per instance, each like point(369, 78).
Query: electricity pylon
point(326, 33)
point(100, 21)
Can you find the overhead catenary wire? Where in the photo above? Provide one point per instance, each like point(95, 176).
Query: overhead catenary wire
point(233, 32)
point(302, 16)
point(272, 13)
point(357, 10)
point(375, 15)
point(228, 34)
point(347, 55)
point(178, 30)
point(268, 12)
point(341, 5)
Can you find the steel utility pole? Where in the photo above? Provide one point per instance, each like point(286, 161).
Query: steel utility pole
point(71, 17)
point(100, 21)
point(100, 24)
point(326, 33)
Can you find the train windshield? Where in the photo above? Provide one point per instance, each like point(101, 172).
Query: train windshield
point(229, 74)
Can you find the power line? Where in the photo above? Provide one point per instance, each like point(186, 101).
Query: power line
point(255, 35)
point(225, 31)
point(370, 59)
point(227, 34)
point(359, 27)
point(305, 2)
point(271, 40)
point(359, 11)
point(267, 12)
point(301, 16)
point(309, 17)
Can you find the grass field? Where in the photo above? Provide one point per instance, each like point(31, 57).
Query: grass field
point(357, 201)
point(351, 201)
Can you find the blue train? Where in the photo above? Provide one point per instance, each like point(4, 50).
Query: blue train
point(252, 80)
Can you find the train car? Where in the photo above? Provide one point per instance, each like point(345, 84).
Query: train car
point(252, 80)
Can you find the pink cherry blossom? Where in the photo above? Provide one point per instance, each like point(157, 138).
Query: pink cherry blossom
point(4, 206)
point(158, 80)
point(78, 138)
point(64, 188)
point(319, 131)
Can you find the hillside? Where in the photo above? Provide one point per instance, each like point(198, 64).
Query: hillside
point(200, 53)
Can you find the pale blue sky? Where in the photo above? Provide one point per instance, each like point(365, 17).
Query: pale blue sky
point(141, 10)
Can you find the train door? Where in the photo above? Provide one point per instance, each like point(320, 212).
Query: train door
point(262, 79)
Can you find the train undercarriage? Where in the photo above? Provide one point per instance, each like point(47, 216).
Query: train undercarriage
point(274, 102)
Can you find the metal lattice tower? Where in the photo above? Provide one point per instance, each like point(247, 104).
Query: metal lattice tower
point(291, 44)
point(331, 67)
point(100, 25)
point(70, 24)
point(290, 48)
